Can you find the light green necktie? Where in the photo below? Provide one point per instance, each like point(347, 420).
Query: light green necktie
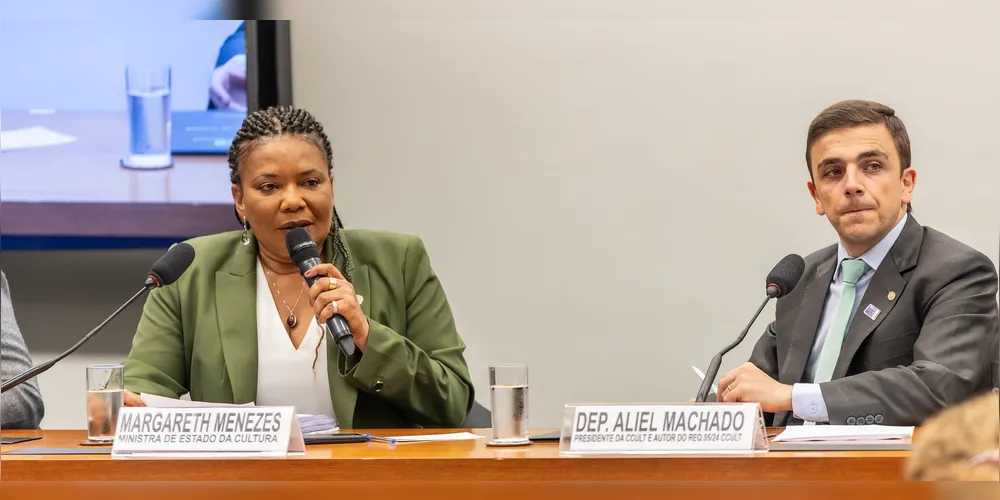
point(851, 271)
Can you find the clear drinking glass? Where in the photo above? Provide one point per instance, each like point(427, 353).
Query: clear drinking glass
point(105, 397)
point(148, 89)
point(509, 403)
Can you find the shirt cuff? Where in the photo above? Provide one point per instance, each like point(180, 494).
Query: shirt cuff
point(808, 403)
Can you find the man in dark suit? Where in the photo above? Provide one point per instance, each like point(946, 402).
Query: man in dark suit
point(891, 324)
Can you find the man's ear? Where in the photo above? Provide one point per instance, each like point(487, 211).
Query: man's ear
point(812, 192)
point(908, 181)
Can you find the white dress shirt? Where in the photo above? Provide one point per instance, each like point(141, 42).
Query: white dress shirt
point(284, 374)
point(807, 399)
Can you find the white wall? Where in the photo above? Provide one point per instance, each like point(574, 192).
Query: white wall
point(602, 186)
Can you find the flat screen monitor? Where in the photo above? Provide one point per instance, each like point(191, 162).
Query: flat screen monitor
point(115, 133)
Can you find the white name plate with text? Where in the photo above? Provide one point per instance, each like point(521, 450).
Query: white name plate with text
point(680, 429)
point(257, 431)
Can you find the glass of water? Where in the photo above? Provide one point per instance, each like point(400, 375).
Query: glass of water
point(148, 89)
point(509, 403)
point(105, 397)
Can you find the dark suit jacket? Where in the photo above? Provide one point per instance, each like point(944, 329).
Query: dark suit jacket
point(933, 345)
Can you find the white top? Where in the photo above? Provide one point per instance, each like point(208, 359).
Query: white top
point(284, 374)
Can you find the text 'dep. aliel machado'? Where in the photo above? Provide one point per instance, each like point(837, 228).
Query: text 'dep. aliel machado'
point(663, 429)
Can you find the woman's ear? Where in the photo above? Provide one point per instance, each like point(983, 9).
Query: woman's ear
point(238, 201)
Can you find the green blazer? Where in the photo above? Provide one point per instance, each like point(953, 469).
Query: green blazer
point(199, 334)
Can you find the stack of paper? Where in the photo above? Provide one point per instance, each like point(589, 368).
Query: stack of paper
point(318, 424)
point(799, 433)
point(429, 438)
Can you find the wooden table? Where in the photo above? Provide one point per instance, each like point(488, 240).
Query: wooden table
point(464, 468)
point(446, 461)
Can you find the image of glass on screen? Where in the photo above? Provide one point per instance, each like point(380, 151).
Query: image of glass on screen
point(120, 127)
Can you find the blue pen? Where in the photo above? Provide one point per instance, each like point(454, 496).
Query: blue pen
point(380, 439)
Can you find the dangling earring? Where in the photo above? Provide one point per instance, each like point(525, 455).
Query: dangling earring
point(245, 237)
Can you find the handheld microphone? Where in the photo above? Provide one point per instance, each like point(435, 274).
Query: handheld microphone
point(781, 280)
point(305, 254)
point(164, 271)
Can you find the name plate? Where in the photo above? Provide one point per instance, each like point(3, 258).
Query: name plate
point(681, 429)
point(256, 431)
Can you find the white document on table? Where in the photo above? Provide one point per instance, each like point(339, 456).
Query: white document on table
point(428, 438)
point(32, 137)
point(800, 433)
point(154, 401)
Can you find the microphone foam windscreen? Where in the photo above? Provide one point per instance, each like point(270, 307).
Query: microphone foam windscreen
point(300, 245)
point(172, 264)
point(786, 273)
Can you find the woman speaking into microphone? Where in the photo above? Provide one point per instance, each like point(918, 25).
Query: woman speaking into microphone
point(242, 324)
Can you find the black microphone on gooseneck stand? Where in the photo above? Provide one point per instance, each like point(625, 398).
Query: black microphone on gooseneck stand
point(305, 254)
point(781, 280)
point(165, 271)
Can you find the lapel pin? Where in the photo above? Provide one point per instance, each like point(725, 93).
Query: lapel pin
point(892, 296)
point(360, 299)
point(871, 311)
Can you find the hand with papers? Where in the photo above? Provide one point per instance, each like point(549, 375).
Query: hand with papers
point(133, 399)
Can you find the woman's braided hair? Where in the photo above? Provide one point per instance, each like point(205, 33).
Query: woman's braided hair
point(279, 121)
